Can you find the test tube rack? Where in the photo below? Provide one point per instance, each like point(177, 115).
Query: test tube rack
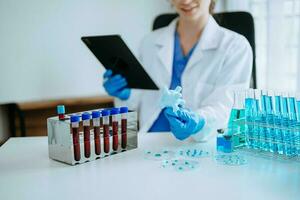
point(60, 141)
point(263, 143)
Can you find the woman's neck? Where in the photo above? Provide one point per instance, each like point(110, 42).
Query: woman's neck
point(190, 31)
point(192, 28)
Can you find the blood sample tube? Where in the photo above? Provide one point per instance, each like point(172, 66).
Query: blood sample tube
point(124, 111)
point(96, 124)
point(105, 116)
point(115, 127)
point(61, 112)
point(75, 133)
point(86, 133)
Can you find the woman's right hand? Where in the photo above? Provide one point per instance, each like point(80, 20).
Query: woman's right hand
point(116, 85)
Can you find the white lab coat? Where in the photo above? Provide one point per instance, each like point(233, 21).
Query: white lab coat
point(220, 63)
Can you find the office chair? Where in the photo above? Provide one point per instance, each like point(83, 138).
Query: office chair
point(240, 22)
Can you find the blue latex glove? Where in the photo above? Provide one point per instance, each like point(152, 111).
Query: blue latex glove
point(172, 98)
point(116, 85)
point(184, 122)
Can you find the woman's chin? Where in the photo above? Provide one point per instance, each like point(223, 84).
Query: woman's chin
point(190, 15)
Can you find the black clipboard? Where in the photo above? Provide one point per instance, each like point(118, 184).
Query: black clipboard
point(115, 55)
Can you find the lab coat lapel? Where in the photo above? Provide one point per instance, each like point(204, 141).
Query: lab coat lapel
point(209, 39)
point(165, 45)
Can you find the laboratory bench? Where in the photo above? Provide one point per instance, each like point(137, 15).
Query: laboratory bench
point(26, 172)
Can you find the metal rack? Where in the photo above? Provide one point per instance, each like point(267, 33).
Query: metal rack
point(60, 141)
point(252, 143)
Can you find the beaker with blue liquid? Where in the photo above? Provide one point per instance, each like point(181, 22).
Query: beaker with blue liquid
point(236, 124)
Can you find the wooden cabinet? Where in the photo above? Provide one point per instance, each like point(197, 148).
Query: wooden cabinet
point(30, 118)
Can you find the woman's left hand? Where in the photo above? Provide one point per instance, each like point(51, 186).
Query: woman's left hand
point(184, 122)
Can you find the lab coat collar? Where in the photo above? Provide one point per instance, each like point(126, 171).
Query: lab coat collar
point(211, 35)
point(210, 39)
point(165, 43)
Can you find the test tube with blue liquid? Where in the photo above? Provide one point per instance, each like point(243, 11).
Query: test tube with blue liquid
point(265, 134)
point(249, 113)
point(270, 121)
point(278, 122)
point(257, 119)
point(285, 124)
point(297, 131)
point(292, 121)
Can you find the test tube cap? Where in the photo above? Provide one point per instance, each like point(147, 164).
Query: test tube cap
point(86, 116)
point(123, 109)
point(96, 114)
point(114, 111)
point(105, 112)
point(75, 118)
point(60, 109)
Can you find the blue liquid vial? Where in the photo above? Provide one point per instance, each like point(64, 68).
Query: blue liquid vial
point(292, 122)
point(271, 122)
point(257, 129)
point(286, 133)
point(265, 133)
point(278, 123)
point(297, 132)
point(249, 114)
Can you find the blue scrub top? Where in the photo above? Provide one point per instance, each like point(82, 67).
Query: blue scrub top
point(180, 61)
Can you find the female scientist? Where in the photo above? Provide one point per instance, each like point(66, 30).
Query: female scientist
point(193, 52)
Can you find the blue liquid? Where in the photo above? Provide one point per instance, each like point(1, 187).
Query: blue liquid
point(270, 121)
point(274, 127)
point(236, 127)
point(286, 123)
point(297, 132)
point(292, 123)
point(249, 111)
point(265, 133)
point(235, 115)
point(278, 123)
point(256, 129)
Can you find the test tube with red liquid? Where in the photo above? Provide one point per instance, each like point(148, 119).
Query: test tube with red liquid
point(105, 117)
point(114, 112)
point(86, 133)
point(75, 134)
point(61, 112)
point(96, 124)
point(124, 111)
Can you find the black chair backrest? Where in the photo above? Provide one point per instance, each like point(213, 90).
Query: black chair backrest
point(240, 22)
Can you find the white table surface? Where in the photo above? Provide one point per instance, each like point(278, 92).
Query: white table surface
point(26, 172)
